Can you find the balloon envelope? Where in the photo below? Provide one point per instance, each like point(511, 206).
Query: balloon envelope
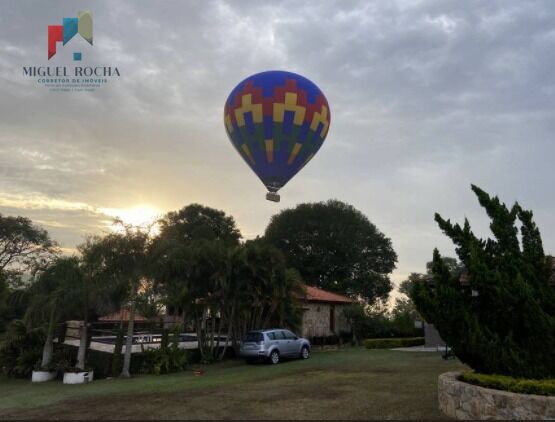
point(277, 121)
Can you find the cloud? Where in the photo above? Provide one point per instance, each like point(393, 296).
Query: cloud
point(426, 96)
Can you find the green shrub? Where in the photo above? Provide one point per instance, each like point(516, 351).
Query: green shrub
point(498, 315)
point(167, 358)
point(164, 361)
point(544, 387)
point(390, 343)
point(21, 350)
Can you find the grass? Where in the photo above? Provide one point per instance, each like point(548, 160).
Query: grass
point(348, 384)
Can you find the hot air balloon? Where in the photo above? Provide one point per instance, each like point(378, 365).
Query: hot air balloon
point(277, 121)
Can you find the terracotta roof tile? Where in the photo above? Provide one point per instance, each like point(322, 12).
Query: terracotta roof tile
point(121, 315)
point(314, 294)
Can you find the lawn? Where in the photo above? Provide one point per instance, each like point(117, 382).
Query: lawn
point(347, 384)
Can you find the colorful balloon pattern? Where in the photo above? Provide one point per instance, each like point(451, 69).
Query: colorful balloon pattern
point(277, 121)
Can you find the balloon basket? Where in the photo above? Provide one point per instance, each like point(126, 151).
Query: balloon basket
point(272, 196)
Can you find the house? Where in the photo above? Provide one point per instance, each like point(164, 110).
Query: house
point(323, 313)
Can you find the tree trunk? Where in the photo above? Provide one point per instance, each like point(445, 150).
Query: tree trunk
point(49, 343)
point(229, 330)
point(82, 346)
point(269, 314)
point(129, 341)
point(116, 359)
point(200, 340)
point(212, 333)
point(84, 333)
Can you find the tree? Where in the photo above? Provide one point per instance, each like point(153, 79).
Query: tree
point(197, 222)
point(404, 314)
point(23, 247)
point(190, 263)
point(225, 288)
point(265, 289)
point(503, 320)
point(4, 295)
point(335, 247)
point(52, 300)
point(356, 316)
point(122, 258)
point(96, 294)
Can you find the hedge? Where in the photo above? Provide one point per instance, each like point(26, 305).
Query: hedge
point(545, 387)
point(390, 343)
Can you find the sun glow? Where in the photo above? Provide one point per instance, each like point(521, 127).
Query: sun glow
point(143, 216)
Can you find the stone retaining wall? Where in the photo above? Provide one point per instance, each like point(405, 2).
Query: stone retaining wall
point(466, 401)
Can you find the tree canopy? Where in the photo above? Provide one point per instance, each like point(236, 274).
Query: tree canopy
point(195, 222)
point(334, 246)
point(23, 246)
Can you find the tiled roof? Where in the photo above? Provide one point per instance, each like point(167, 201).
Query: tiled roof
point(314, 294)
point(122, 315)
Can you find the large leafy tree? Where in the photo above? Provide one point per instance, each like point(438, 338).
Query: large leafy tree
point(197, 222)
point(23, 247)
point(334, 246)
point(502, 319)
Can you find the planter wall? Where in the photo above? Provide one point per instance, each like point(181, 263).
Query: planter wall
point(461, 400)
point(78, 377)
point(42, 376)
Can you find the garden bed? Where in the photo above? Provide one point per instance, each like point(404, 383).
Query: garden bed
point(544, 387)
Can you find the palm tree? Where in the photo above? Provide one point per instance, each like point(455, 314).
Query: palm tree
point(265, 289)
point(122, 259)
point(96, 294)
point(51, 299)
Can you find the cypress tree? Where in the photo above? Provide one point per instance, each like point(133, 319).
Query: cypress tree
point(501, 319)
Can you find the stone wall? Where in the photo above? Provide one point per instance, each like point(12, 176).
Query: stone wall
point(461, 400)
point(316, 320)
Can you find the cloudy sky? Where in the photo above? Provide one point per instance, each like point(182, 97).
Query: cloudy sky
point(427, 97)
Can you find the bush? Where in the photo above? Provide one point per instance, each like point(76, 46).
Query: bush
point(165, 361)
point(390, 343)
point(167, 358)
point(21, 350)
point(498, 316)
point(544, 387)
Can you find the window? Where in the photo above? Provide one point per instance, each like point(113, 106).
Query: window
point(253, 336)
point(289, 335)
point(271, 336)
point(278, 335)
